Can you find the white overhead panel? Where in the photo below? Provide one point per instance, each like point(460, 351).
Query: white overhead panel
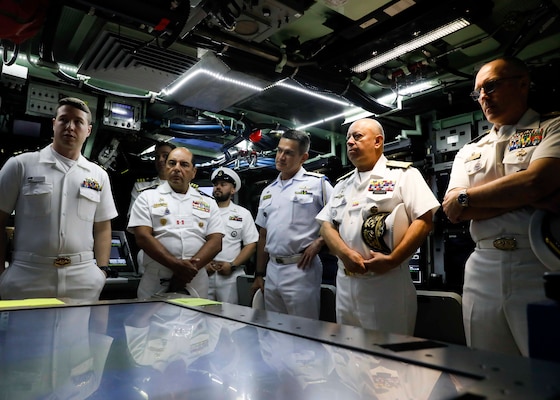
point(132, 63)
point(213, 86)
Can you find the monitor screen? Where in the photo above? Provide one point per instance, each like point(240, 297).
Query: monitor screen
point(120, 257)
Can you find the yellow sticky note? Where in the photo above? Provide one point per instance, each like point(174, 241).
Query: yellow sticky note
point(194, 301)
point(30, 303)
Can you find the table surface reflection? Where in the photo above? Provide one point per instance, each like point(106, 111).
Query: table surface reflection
point(160, 350)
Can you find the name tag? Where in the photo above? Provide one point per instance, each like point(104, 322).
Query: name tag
point(35, 179)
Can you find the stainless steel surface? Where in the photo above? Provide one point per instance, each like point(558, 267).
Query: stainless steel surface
point(147, 350)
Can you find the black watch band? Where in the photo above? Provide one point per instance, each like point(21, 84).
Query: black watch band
point(111, 273)
point(260, 274)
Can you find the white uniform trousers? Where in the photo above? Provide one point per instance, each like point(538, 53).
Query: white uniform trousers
point(291, 290)
point(156, 280)
point(224, 287)
point(498, 286)
point(385, 302)
point(82, 281)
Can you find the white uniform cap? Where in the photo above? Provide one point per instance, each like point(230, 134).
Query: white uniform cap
point(544, 236)
point(228, 175)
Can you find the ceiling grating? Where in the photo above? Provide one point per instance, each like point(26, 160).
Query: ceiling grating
point(140, 65)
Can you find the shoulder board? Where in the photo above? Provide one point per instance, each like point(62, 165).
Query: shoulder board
point(148, 187)
point(200, 192)
point(313, 174)
point(194, 185)
point(398, 164)
point(345, 176)
point(476, 139)
point(550, 115)
point(142, 180)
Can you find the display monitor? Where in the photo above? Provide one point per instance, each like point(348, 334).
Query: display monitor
point(120, 258)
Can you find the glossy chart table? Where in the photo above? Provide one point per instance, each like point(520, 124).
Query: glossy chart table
point(172, 350)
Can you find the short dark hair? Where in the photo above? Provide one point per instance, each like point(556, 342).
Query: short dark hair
point(301, 137)
point(76, 103)
point(161, 144)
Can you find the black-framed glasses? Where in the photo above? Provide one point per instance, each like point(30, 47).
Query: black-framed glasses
point(491, 86)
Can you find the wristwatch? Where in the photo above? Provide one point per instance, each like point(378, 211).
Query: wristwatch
point(463, 198)
point(111, 273)
point(233, 267)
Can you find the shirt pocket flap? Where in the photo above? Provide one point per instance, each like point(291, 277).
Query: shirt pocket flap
point(32, 189)
point(159, 211)
point(90, 194)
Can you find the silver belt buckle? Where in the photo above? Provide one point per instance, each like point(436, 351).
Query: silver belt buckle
point(279, 260)
point(505, 243)
point(62, 261)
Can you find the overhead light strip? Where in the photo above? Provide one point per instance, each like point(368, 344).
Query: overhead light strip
point(412, 45)
point(220, 77)
point(313, 94)
point(190, 76)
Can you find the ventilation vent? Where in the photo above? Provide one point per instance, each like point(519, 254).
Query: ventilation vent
point(132, 63)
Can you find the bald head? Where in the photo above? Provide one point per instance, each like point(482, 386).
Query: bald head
point(364, 143)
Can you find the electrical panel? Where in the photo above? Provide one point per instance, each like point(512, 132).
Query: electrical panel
point(42, 99)
point(123, 113)
point(452, 139)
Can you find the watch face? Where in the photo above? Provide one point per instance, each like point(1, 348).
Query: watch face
point(463, 199)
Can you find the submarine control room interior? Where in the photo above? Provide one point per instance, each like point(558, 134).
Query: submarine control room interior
point(226, 79)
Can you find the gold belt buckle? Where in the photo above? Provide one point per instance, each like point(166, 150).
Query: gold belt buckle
point(507, 244)
point(349, 273)
point(62, 261)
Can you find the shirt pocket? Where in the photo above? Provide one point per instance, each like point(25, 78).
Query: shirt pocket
point(338, 204)
point(160, 217)
point(518, 160)
point(88, 200)
point(303, 208)
point(475, 164)
point(200, 221)
point(37, 199)
point(234, 228)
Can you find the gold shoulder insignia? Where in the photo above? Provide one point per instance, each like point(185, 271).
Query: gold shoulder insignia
point(343, 177)
point(398, 164)
point(194, 185)
point(142, 180)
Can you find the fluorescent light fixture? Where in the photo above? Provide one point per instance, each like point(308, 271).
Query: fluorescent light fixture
point(211, 74)
point(390, 98)
point(356, 114)
point(310, 93)
point(412, 45)
point(302, 127)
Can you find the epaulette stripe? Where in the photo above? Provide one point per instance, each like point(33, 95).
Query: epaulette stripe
point(345, 176)
point(476, 139)
point(146, 188)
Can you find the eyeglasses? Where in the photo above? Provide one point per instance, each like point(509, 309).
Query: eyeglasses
point(491, 86)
